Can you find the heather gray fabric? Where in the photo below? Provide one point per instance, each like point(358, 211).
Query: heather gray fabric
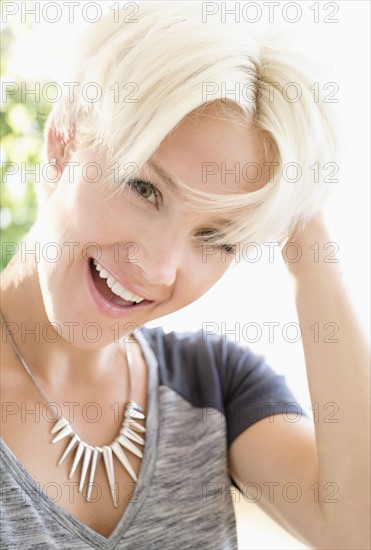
point(202, 393)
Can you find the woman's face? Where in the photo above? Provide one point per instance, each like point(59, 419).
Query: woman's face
point(141, 237)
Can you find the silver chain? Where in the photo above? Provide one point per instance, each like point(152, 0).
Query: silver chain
point(33, 377)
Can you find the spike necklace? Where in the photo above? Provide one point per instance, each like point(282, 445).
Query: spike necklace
point(89, 455)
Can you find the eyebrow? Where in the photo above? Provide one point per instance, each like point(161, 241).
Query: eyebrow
point(164, 176)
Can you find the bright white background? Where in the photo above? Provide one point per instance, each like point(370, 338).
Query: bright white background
point(260, 292)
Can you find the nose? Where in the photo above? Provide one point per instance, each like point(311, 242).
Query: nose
point(161, 257)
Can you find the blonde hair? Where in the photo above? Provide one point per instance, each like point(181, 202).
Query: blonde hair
point(169, 55)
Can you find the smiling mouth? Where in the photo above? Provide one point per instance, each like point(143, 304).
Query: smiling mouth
point(111, 290)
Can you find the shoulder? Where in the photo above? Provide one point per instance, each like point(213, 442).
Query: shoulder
point(205, 367)
point(211, 352)
point(198, 347)
point(212, 370)
point(196, 350)
point(188, 364)
point(187, 347)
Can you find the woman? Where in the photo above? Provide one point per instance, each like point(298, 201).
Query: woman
point(136, 220)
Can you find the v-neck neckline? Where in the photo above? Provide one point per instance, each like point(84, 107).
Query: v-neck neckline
point(69, 521)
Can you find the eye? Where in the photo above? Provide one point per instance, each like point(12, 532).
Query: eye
point(145, 190)
point(228, 248)
point(211, 235)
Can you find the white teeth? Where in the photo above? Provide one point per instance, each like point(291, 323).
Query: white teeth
point(103, 273)
point(117, 287)
point(110, 281)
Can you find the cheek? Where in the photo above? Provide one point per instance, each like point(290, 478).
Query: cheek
point(81, 212)
point(215, 273)
point(198, 279)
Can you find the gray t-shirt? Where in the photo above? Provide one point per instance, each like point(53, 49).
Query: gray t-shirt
point(203, 391)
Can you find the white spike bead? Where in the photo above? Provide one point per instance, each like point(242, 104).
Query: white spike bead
point(87, 456)
point(61, 423)
point(135, 426)
point(94, 463)
point(67, 430)
point(78, 455)
point(132, 435)
point(129, 445)
point(123, 459)
point(69, 448)
point(132, 413)
point(108, 462)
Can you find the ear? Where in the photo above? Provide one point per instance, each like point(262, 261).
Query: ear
point(55, 148)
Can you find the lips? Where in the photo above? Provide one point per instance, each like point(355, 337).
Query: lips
point(105, 290)
point(106, 300)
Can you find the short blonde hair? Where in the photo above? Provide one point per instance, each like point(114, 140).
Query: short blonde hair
point(171, 56)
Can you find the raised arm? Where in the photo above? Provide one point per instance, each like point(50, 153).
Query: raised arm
point(328, 459)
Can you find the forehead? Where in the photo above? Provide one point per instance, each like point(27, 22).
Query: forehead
point(214, 152)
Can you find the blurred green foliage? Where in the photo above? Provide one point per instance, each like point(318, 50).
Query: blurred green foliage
point(21, 126)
